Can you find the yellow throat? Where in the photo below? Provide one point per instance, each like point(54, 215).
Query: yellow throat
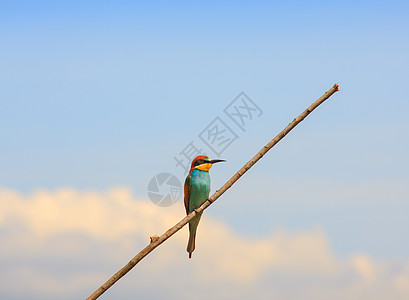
point(204, 167)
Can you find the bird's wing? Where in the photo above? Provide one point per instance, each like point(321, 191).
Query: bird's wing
point(187, 193)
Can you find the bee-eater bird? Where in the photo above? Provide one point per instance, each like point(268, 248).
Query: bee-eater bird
point(197, 189)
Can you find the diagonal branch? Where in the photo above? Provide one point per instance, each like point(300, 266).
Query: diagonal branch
point(155, 242)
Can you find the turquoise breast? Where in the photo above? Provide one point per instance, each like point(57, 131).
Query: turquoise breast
point(199, 188)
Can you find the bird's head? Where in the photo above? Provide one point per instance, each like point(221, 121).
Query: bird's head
point(203, 163)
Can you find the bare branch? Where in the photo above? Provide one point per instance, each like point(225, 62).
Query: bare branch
point(156, 241)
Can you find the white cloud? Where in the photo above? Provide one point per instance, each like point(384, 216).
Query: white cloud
point(365, 267)
point(69, 242)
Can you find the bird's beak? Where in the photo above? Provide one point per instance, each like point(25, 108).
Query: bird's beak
point(216, 161)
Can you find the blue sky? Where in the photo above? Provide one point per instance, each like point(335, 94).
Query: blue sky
point(99, 95)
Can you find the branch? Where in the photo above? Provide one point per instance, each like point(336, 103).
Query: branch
point(156, 241)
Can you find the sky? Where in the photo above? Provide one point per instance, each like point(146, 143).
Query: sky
point(98, 98)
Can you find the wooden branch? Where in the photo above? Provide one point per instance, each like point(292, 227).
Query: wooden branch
point(156, 241)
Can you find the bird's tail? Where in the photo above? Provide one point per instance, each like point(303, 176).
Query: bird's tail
point(192, 239)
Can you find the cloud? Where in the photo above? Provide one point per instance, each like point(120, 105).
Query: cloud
point(66, 243)
point(364, 267)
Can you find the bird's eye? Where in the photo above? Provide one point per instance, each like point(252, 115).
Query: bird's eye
point(199, 162)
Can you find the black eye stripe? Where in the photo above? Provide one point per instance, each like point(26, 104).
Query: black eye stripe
point(199, 162)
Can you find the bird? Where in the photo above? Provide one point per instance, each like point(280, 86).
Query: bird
point(196, 190)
